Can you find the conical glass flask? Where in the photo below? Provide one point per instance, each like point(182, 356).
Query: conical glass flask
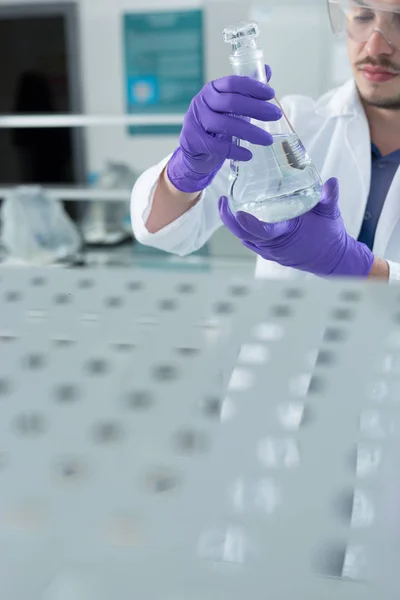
point(280, 182)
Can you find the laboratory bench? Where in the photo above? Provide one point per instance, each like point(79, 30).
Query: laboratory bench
point(179, 434)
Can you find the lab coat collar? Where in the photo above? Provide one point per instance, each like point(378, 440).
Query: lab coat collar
point(345, 101)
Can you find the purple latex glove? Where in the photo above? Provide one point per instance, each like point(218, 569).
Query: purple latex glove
point(316, 242)
point(210, 125)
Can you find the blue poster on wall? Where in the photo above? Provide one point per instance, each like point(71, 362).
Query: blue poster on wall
point(164, 64)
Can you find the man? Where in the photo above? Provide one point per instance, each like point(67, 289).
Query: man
point(352, 133)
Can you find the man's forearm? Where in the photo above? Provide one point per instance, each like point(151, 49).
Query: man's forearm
point(380, 270)
point(168, 204)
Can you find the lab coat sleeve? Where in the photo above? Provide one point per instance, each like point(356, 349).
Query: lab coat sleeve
point(394, 270)
point(190, 231)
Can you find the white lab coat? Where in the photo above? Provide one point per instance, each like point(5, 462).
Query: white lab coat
point(335, 131)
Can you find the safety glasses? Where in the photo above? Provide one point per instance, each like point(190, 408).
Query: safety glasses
point(360, 19)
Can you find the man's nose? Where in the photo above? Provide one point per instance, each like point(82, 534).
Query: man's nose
point(379, 45)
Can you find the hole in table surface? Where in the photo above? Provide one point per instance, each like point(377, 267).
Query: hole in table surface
point(281, 311)
point(317, 385)
point(12, 296)
point(239, 291)
point(188, 442)
point(343, 314)
point(224, 308)
point(134, 286)
point(168, 305)
point(86, 284)
point(185, 288)
point(7, 338)
point(30, 424)
point(163, 480)
point(396, 318)
point(294, 293)
point(325, 358)
point(63, 299)
point(38, 281)
point(335, 334)
point(107, 432)
point(5, 387)
point(139, 400)
point(165, 373)
point(330, 559)
point(123, 347)
point(188, 352)
point(351, 296)
point(98, 366)
point(64, 342)
point(343, 506)
point(70, 470)
point(211, 407)
point(34, 361)
point(67, 393)
point(114, 302)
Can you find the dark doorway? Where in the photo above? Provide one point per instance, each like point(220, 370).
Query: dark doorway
point(40, 76)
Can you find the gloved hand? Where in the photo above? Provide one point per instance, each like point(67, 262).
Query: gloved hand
point(316, 242)
point(210, 124)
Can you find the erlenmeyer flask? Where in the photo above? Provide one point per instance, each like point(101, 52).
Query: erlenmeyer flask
point(280, 182)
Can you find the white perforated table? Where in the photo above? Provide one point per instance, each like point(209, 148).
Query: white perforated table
point(180, 437)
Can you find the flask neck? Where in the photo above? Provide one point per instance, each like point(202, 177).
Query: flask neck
point(252, 64)
point(249, 63)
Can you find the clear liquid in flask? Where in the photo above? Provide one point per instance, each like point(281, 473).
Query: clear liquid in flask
point(279, 183)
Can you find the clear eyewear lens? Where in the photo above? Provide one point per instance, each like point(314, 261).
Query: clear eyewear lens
point(337, 16)
point(361, 20)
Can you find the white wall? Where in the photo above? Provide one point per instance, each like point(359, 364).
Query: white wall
point(296, 40)
point(102, 51)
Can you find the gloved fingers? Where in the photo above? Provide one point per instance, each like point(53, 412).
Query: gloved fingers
point(232, 223)
point(242, 105)
point(330, 192)
point(251, 246)
point(223, 147)
point(229, 219)
point(268, 72)
point(258, 231)
point(235, 127)
point(249, 229)
point(246, 86)
point(238, 153)
point(328, 206)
